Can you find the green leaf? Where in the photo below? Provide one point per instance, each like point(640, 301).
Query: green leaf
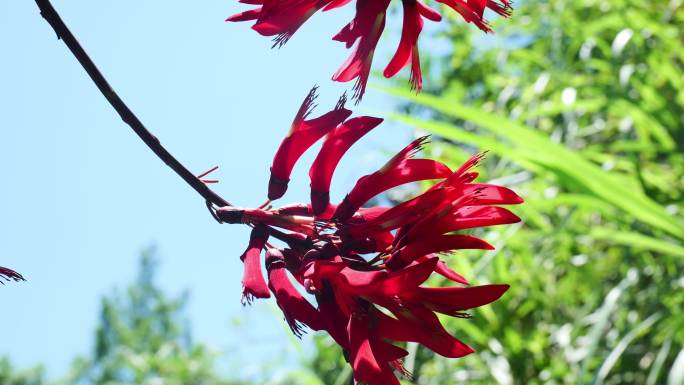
point(525, 145)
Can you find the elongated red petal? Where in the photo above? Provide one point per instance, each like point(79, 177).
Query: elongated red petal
point(472, 217)
point(394, 173)
point(452, 300)
point(253, 282)
point(335, 146)
point(400, 215)
point(489, 194)
point(366, 27)
point(301, 209)
point(478, 6)
point(357, 281)
point(428, 12)
point(252, 14)
point(296, 309)
point(434, 244)
point(467, 13)
point(407, 278)
point(283, 18)
point(415, 323)
point(303, 134)
point(367, 370)
point(408, 45)
point(335, 321)
point(9, 275)
point(385, 351)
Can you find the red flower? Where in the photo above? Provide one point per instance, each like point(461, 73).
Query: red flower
point(282, 18)
point(9, 275)
point(356, 261)
point(253, 282)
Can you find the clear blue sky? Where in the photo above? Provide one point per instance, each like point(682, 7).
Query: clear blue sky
point(81, 195)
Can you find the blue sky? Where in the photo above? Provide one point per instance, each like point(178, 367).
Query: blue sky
point(82, 196)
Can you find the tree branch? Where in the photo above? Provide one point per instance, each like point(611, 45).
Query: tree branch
point(52, 17)
point(48, 12)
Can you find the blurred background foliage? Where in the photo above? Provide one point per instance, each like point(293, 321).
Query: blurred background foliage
point(581, 107)
point(143, 338)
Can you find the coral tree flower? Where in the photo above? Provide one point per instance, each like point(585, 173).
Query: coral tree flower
point(367, 267)
point(282, 18)
point(9, 275)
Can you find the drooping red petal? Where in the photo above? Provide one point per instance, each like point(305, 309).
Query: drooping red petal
point(296, 309)
point(253, 282)
point(282, 18)
point(366, 27)
point(303, 134)
point(335, 146)
point(389, 356)
point(427, 12)
point(408, 45)
point(385, 351)
point(336, 322)
point(434, 244)
point(452, 300)
point(367, 370)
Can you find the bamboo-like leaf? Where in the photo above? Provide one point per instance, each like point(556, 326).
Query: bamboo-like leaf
point(620, 348)
point(529, 146)
point(637, 240)
point(657, 366)
point(676, 376)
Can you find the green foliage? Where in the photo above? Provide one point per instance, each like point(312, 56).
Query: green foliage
point(11, 376)
point(143, 338)
point(581, 107)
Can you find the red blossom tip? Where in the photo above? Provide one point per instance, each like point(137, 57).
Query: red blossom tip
point(10, 275)
point(302, 135)
point(282, 18)
point(253, 282)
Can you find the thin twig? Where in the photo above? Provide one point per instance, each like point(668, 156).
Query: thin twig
point(52, 17)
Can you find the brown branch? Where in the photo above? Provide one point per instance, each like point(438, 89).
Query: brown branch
point(48, 12)
point(52, 17)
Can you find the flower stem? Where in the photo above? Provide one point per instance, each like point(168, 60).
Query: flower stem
point(52, 17)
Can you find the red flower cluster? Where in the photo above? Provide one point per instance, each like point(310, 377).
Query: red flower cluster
point(366, 266)
point(9, 275)
point(282, 18)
